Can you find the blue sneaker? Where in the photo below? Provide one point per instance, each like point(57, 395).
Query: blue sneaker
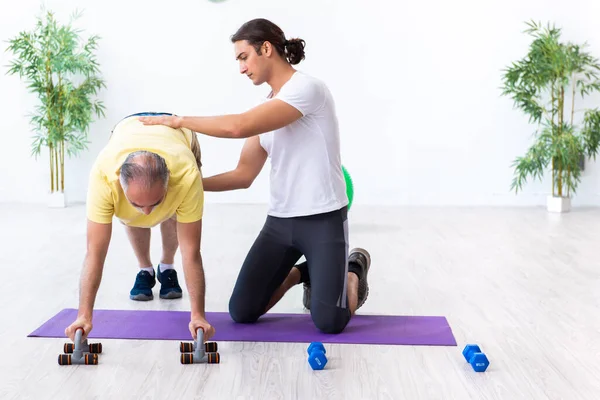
point(169, 288)
point(142, 289)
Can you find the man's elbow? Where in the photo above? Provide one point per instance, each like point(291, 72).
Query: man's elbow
point(240, 132)
point(242, 127)
point(245, 184)
point(245, 178)
point(234, 128)
point(236, 132)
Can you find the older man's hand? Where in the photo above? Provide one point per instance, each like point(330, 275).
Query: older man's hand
point(171, 121)
point(195, 323)
point(79, 323)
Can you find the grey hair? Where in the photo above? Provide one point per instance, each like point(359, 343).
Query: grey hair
point(148, 170)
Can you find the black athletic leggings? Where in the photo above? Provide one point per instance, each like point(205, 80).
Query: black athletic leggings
point(323, 240)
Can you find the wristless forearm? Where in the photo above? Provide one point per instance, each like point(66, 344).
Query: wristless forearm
point(91, 276)
point(194, 278)
point(226, 126)
point(231, 180)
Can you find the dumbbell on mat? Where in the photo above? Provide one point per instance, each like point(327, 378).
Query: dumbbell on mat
point(476, 357)
point(79, 353)
point(202, 353)
point(316, 355)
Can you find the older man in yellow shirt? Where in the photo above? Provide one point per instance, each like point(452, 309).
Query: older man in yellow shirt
point(147, 176)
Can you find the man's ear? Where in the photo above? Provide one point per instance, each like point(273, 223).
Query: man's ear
point(267, 48)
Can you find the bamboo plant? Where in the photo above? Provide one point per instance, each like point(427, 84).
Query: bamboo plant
point(60, 68)
point(546, 85)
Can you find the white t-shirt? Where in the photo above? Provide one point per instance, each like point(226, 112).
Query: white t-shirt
point(306, 169)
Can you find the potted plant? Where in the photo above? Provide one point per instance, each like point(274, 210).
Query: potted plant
point(60, 68)
point(546, 85)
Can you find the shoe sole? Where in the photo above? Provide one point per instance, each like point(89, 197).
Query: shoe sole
point(363, 286)
point(306, 296)
point(171, 295)
point(141, 297)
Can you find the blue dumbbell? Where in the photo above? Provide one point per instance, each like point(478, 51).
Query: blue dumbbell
point(476, 357)
point(316, 355)
point(316, 345)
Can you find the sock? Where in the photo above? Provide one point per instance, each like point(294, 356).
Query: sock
point(355, 268)
point(303, 268)
point(149, 270)
point(164, 267)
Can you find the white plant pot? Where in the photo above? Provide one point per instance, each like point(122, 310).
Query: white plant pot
point(558, 204)
point(57, 200)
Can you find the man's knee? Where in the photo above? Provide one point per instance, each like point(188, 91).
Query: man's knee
point(243, 311)
point(329, 319)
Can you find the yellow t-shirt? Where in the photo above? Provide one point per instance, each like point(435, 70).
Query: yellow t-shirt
point(185, 194)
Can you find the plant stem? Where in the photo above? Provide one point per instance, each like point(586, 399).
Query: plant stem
point(62, 165)
point(61, 131)
point(553, 178)
point(49, 116)
point(561, 116)
point(51, 151)
point(573, 101)
point(572, 121)
point(568, 180)
point(56, 154)
point(553, 125)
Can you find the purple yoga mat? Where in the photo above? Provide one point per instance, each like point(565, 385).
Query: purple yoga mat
point(272, 327)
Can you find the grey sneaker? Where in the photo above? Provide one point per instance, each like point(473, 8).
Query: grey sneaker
point(363, 259)
point(306, 296)
point(305, 280)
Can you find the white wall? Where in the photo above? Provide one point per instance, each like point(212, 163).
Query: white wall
point(416, 83)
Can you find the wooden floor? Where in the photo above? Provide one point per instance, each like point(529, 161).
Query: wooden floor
point(522, 283)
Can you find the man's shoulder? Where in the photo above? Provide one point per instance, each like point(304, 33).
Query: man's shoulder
point(304, 86)
point(183, 177)
point(304, 79)
point(102, 166)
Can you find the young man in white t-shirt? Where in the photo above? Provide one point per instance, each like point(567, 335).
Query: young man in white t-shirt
point(297, 128)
